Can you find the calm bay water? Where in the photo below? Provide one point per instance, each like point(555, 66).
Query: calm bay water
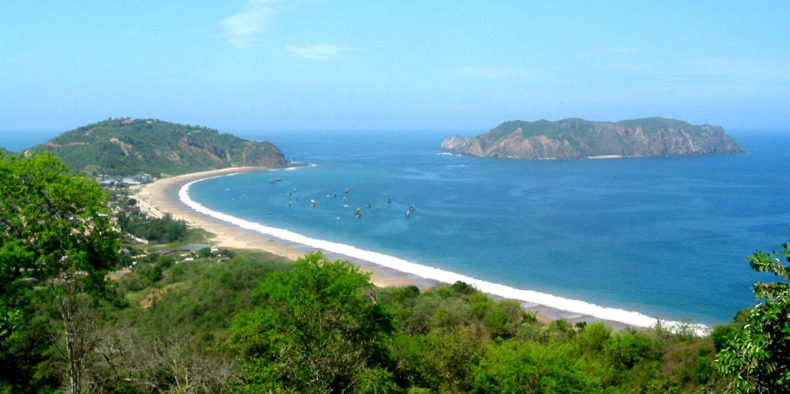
point(667, 237)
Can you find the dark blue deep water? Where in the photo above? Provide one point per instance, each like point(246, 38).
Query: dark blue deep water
point(667, 237)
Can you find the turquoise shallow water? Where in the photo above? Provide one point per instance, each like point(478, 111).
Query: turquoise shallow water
point(667, 237)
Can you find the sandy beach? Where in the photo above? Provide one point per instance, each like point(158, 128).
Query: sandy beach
point(161, 197)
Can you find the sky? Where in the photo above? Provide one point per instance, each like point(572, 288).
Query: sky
point(394, 65)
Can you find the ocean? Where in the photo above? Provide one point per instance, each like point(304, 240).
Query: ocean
point(665, 237)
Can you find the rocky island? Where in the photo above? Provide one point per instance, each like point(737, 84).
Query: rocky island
point(156, 147)
point(578, 138)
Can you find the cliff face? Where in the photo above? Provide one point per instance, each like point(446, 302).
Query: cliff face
point(577, 138)
point(127, 146)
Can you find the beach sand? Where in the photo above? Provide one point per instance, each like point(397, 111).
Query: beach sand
point(161, 197)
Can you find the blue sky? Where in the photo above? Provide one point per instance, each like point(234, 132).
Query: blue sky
point(453, 65)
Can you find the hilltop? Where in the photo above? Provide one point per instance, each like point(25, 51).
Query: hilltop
point(126, 146)
point(578, 138)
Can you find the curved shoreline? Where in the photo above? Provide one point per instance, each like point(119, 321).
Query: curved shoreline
point(161, 197)
point(239, 233)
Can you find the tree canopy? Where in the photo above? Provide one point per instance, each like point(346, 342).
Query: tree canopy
point(317, 328)
point(52, 223)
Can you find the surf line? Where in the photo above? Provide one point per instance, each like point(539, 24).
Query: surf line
point(529, 296)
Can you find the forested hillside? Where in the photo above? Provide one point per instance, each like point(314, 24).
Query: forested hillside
point(129, 146)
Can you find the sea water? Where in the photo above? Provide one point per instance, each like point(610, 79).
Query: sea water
point(665, 237)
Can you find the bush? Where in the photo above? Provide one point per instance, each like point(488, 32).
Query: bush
point(532, 367)
point(503, 318)
point(594, 337)
point(628, 348)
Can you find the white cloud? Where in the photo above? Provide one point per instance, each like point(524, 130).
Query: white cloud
point(246, 27)
point(319, 51)
point(496, 73)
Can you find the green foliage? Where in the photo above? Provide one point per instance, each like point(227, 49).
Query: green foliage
point(196, 298)
point(53, 223)
point(532, 367)
point(722, 335)
point(630, 347)
point(448, 359)
point(503, 318)
point(126, 146)
point(205, 252)
point(317, 327)
point(320, 326)
point(442, 360)
point(164, 229)
point(594, 338)
point(54, 228)
point(757, 357)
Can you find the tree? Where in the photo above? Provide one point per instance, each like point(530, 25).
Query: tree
point(757, 357)
point(317, 328)
point(74, 329)
point(52, 223)
point(54, 230)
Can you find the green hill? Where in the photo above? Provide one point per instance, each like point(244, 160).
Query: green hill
point(575, 138)
point(127, 146)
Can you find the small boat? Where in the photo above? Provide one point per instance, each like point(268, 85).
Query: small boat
point(345, 199)
point(356, 211)
point(369, 205)
point(358, 215)
point(312, 203)
point(389, 200)
point(345, 190)
point(289, 192)
point(408, 213)
point(411, 207)
point(275, 180)
point(289, 203)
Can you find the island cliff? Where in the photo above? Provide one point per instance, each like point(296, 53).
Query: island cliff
point(577, 138)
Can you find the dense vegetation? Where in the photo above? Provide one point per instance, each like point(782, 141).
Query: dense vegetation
point(58, 244)
point(254, 323)
point(130, 146)
point(164, 229)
